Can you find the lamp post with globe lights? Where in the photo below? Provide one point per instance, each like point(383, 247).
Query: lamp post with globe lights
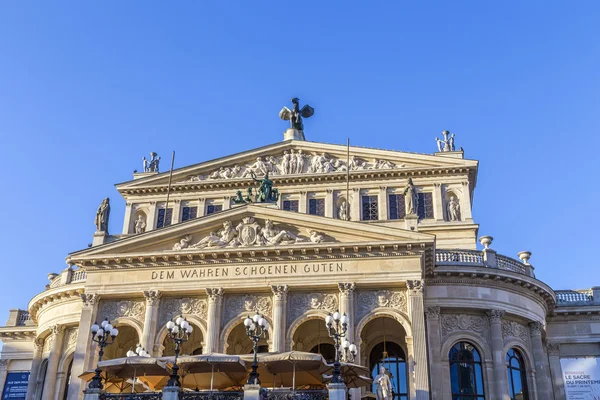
point(256, 328)
point(349, 351)
point(104, 335)
point(138, 352)
point(337, 325)
point(179, 332)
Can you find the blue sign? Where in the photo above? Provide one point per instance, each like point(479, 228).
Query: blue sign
point(15, 387)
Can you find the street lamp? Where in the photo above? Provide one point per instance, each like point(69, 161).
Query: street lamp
point(349, 351)
point(179, 332)
point(139, 352)
point(256, 328)
point(101, 335)
point(337, 325)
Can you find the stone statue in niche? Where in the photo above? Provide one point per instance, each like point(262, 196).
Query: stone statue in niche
point(343, 211)
point(102, 215)
point(453, 209)
point(140, 224)
point(383, 385)
point(410, 198)
point(152, 164)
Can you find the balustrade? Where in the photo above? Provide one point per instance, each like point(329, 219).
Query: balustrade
point(211, 396)
point(310, 394)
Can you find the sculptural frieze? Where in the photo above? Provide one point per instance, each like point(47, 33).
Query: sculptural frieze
point(367, 301)
point(293, 162)
point(249, 233)
point(299, 303)
point(234, 305)
point(124, 308)
point(463, 322)
point(170, 308)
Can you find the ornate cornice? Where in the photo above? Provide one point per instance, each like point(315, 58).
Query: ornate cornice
point(67, 292)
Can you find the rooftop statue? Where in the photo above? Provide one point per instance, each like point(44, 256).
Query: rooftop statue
point(102, 215)
point(265, 192)
point(152, 164)
point(296, 114)
point(447, 144)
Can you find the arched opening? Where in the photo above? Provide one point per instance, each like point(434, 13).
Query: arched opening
point(67, 380)
point(466, 373)
point(384, 341)
point(517, 377)
point(239, 343)
point(191, 348)
point(126, 339)
point(41, 379)
point(312, 336)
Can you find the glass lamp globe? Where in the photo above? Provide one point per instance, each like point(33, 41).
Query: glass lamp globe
point(336, 316)
point(190, 329)
point(346, 344)
point(256, 317)
point(247, 322)
point(100, 332)
point(170, 325)
point(179, 320)
point(130, 353)
point(95, 328)
point(353, 349)
point(344, 319)
point(328, 319)
point(114, 332)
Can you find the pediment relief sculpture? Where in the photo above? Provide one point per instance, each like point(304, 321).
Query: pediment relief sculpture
point(170, 308)
point(124, 308)
point(248, 233)
point(293, 162)
point(299, 303)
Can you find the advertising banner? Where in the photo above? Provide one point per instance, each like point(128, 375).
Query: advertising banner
point(581, 377)
point(15, 387)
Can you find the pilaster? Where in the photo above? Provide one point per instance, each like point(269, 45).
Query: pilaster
point(417, 314)
point(303, 203)
point(215, 301)
point(382, 203)
point(432, 315)
point(32, 386)
point(329, 204)
point(438, 202)
point(542, 372)
point(53, 359)
point(498, 356)
point(84, 352)
point(201, 207)
point(226, 202)
point(279, 317)
point(151, 319)
point(151, 222)
point(465, 202)
point(553, 350)
point(3, 373)
point(127, 219)
point(176, 217)
point(355, 205)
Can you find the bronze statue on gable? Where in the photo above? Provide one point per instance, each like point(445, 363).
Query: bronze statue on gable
point(296, 114)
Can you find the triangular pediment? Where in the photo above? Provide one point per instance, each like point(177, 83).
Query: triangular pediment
point(252, 228)
point(297, 158)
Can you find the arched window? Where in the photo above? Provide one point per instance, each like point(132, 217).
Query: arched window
point(391, 356)
point(517, 379)
point(327, 350)
point(466, 376)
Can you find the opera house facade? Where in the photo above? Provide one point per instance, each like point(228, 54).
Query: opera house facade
point(295, 231)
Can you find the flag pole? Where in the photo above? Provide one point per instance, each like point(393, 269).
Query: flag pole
point(347, 178)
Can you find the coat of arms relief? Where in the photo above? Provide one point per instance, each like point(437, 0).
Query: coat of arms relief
point(299, 303)
point(247, 233)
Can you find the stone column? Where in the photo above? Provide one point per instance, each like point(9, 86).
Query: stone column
point(127, 219)
point(542, 371)
point(303, 203)
point(556, 371)
point(3, 373)
point(347, 291)
point(438, 202)
point(410, 367)
point(329, 204)
point(417, 315)
point(279, 317)
point(432, 314)
point(151, 221)
point(84, 353)
point(498, 356)
point(215, 300)
point(355, 205)
point(226, 202)
point(53, 359)
point(382, 203)
point(465, 203)
point(38, 347)
point(150, 319)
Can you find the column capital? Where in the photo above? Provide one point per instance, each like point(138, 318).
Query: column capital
point(38, 344)
point(90, 299)
point(536, 327)
point(347, 289)
point(152, 202)
point(432, 312)
point(553, 348)
point(415, 286)
point(4, 363)
point(329, 191)
point(57, 329)
point(152, 296)
point(214, 294)
point(495, 316)
point(383, 188)
point(280, 291)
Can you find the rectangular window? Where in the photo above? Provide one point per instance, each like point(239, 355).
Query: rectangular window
point(425, 206)
point(316, 207)
point(397, 207)
point(162, 221)
point(213, 208)
point(189, 213)
point(370, 210)
point(290, 205)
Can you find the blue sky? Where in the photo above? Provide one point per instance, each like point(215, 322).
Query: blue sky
point(88, 88)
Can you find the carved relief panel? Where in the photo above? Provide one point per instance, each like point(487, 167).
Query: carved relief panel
point(70, 338)
point(515, 330)
point(170, 308)
point(135, 309)
point(236, 304)
point(299, 303)
point(477, 324)
point(367, 301)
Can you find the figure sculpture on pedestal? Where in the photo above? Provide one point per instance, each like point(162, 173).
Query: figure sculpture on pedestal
point(296, 114)
point(453, 209)
point(410, 198)
point(102, 215)
point(152, 165)
point(343, 211)
point(265, 192)
point(447, 144)
point(384, 389)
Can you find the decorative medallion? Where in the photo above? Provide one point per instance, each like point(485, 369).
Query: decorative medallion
point(299, 303)
point(170, 308)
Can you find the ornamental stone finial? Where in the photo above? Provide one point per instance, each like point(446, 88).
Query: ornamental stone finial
point(152, 164)
point(486, 241)
point(447, 144)
point(524, 256)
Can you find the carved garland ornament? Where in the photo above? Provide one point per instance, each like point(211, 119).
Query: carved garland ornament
point(293, 162)
point(248, 233)
point(234, 305)
point(170, 308)
point(299, 303)
point(70, 338)
point(513, 329)
point(125, 308)
point(369, 300)
point(463, 322)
